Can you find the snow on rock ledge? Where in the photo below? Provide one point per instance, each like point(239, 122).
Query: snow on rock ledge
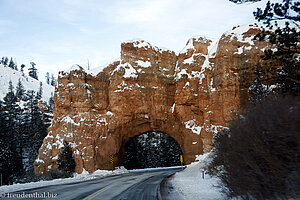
point(74, 68)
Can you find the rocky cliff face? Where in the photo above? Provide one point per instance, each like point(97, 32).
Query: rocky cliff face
point(189, 96)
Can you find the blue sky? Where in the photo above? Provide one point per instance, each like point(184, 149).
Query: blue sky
point(56, 34)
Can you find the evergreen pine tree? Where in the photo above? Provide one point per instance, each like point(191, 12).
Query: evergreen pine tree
point(36, 129)
point(258, 90)
point(6, 150)
point(66, 161)
point(5, 61)
point(16, 66)
point(11, 63)
point(10, 134)
point(53, 80)
point(27, 135)
point(40, 92)
point(22, 69)
point(48, 78)
point(33, 71)
point(51, 104)
point(20, 91)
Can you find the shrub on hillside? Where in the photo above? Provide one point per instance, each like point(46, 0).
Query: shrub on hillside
point(259, 156)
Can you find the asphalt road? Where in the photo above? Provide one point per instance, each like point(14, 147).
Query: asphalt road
point(132, 186)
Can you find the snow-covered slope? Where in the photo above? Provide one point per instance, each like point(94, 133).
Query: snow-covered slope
point(7, 74)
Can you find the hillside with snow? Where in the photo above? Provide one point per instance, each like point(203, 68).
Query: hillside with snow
point(7, 74)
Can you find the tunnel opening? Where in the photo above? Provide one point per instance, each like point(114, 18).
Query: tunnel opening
point(150, 150)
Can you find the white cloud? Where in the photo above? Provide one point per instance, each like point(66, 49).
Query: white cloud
point(172, 22)
point(140, 11)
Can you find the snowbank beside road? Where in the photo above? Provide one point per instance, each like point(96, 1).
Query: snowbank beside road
point(190, 184)
point(77, 178)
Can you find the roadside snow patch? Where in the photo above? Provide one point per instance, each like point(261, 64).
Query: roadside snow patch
point(192, 186)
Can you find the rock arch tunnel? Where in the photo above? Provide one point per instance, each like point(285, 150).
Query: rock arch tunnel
point(150, 149)
point(122, 141)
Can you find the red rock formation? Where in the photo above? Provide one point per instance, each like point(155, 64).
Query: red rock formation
point(188, 96)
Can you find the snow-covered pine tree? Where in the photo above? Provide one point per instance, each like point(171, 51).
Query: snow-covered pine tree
point(11, 63)
point(40, 92)
point(130, 158)
point(33, 71)
point(10, 135)
point(51, 104)
point(47, 78)
point(53, 80)
point(66, 161)
point(4, 61)
point(22, 69)
point(20, 91)
point(10, 103)
point(173, 152)
point(36, 130)
point(258, 90)
point(6, 150)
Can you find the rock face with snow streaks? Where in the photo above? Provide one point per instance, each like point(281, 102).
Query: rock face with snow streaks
point(189, 96)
